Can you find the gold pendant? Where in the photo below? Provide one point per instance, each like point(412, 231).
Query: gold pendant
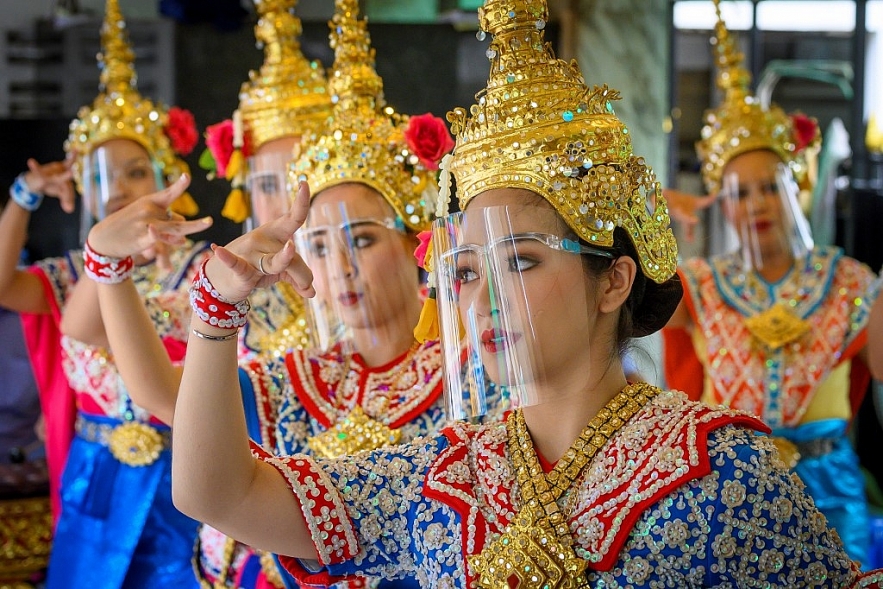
point(355, 433)
point(788, 452)
point(135, 444)
point(528, 556)
point(776, 326)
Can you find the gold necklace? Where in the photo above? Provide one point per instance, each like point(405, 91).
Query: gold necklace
point(537, 547)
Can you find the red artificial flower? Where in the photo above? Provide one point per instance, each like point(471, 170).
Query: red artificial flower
point(805, 131)
point(425, 238)
point(181, 130)
point(429, 139)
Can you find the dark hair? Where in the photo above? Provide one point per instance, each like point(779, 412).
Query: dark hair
point(649, 305)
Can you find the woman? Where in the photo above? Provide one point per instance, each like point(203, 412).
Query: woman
point(778, 325)
point(283, 102)
point(676, 491)
point(115, 501)
point(369, 383)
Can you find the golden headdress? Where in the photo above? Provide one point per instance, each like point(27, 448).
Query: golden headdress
point(538, 126)
point(367, 141)
point(287, 97)
point(120, 112)
point(741, 123)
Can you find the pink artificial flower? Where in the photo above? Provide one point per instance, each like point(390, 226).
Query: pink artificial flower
point(429, 139)
point(181, 130)
point(425, 238)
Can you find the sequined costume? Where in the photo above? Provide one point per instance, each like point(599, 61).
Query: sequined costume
point(292, 401)
point(276, 324)
point(800, 389)
point(118, 518)
point(683, 495)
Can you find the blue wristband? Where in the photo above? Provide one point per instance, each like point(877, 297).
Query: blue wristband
point(22, 195)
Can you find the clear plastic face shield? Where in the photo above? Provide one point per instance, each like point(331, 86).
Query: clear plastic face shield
point(361, 273)
point(765, 214)
point(268, 186)
point(513, 296)
point(114, 175)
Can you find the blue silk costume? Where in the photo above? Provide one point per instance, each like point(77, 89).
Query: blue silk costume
point(682, 496)
point(118, 527)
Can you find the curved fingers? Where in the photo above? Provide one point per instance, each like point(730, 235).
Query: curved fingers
point(165, 197)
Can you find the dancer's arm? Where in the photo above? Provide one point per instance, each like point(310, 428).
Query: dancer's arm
point(215, 478)
point(140, 356)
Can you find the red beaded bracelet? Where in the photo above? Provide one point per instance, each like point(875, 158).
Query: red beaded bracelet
point(106, 269)
point(211, 307)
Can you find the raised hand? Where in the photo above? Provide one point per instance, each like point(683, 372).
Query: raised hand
point(264, 256)
point(145, 226)
point(53, 179)
point(683, 206)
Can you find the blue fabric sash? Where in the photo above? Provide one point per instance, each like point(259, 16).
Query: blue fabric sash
point(835, 483)
point(118, 527)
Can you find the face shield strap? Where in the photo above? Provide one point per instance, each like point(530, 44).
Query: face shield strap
point(158, 176)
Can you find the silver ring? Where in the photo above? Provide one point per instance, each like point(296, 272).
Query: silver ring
point(261, 265)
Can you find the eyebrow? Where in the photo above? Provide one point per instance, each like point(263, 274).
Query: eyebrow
point(137, 159)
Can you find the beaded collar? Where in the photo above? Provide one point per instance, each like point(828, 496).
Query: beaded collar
point(363, 405)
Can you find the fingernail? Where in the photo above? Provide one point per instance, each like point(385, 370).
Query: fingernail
point(206, 220)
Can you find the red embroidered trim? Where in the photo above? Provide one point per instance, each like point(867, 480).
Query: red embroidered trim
point(106, 269)
point(323, 509)
point(306, 378)
point(263, 402)
point(211, 307)
point(703, 430)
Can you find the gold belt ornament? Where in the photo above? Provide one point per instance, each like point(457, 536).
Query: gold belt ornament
point(135, 444)
point(132, 443)
point(776, 326)
point(355, 433)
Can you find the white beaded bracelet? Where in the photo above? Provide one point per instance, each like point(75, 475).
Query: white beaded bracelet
point(22, 195)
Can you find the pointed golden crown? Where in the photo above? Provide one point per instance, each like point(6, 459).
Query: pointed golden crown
point(289, 95)
point(119, 111)
point(741, 123)
point(366, 140)
point(538, 126)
